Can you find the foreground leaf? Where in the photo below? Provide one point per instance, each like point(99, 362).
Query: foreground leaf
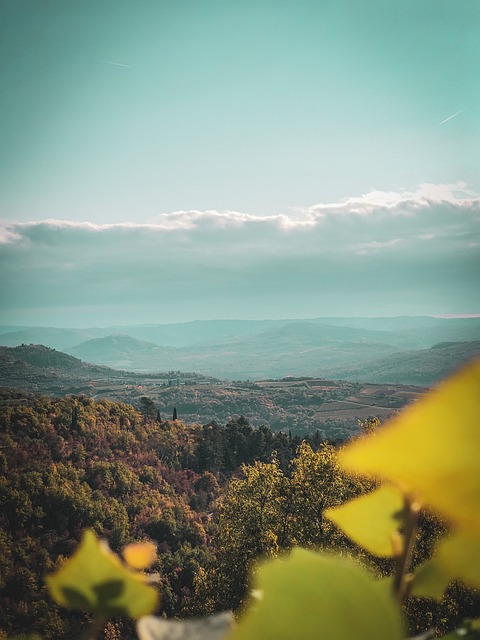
point(456, 558)
point(209, 628)
point(460, 556)
point(372, 520)
point(310, 596)
point(140, 555)
point(95, 580)
point(431, 579)
point(431, 449)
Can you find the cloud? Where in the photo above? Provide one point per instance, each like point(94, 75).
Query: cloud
point(365, 253)
point(376, 204)
point(370, 246)
point(7, 236)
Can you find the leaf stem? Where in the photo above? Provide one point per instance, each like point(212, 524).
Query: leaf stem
point(401, 582)
point(94, 628)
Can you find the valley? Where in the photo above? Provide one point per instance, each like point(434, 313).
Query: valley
point(298, 376)
point(299, 405)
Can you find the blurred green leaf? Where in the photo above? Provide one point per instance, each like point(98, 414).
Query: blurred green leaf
point(315, 596)
point(459, 555)
point(95, 580)
point(456, 558)
point(430, 580)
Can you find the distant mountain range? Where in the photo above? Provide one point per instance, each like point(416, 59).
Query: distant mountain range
point(405, 350)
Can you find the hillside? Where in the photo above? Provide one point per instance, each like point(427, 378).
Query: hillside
point(298, 405)
point(37, 367)
point(424, 367)
point(374, 387)
point(47, 358)
point(121, 351)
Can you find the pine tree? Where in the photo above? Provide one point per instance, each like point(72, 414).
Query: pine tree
point(75, 417)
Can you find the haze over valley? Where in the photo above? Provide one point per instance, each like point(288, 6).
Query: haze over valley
point(404, 350)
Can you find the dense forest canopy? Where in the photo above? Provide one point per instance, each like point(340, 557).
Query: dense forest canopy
point(214, 498)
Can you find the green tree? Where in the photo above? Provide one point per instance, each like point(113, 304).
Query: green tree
point(249, 526)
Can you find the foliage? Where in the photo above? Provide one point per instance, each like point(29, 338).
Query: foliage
point(94, 580)
point(72, 463)
point(268, 509)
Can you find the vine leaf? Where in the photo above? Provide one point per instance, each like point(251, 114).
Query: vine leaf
point(430, 580)
point(95, 580)
point(140, 555)
point(456, 557)
point(311, 595)
point(431, 449)
point(460, 555)
point(372, 520)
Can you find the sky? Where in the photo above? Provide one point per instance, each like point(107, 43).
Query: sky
point(167, 160)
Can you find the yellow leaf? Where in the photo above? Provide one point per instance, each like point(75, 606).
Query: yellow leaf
point(95, 580)
point(372, 520)
point(460, 556)
point(456, 558)
point(431, 449)
point(140, 555)
point(430, 580)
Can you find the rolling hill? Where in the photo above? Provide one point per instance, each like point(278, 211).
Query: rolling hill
point(423, 367)
point(124, 352)
point(363, 349)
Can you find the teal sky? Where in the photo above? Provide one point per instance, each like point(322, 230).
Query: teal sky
point(118, 112)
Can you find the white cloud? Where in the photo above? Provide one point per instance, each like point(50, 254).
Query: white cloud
point(8, 236)
point(366, 247)
point(228, 261)
point(445, 199)
point(401, 202)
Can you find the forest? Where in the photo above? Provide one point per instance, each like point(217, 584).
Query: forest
point(213, 498)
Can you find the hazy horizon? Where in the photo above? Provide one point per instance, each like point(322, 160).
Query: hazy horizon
point(286, 319)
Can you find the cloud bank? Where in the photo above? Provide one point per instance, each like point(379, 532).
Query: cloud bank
point(381, 253)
